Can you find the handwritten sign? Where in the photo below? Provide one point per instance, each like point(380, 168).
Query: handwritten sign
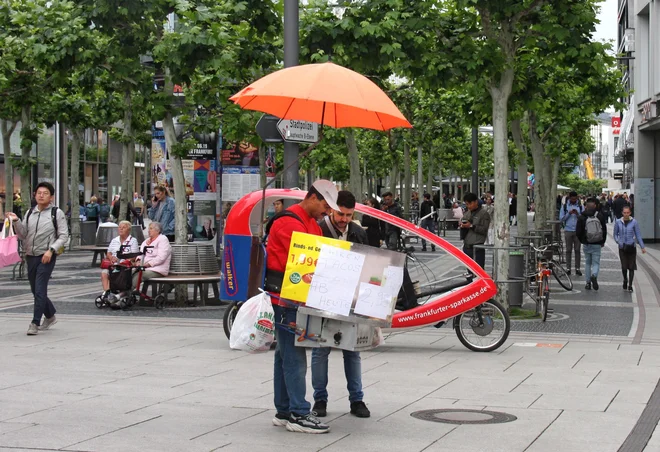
point(374, 301)
point(337, 275)
point(304, 253)
point(393, 279)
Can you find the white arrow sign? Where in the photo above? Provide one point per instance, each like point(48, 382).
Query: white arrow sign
point(298, 131)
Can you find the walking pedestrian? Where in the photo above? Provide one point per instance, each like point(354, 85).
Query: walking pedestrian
point(591, 230)
point(605, 207)
point(290, 367)
point(618, 204)
point(474, 229)
point(42, 239)
point(626, 232)
point(569, 216)
point(490, 208)
point(428, 223)
point(339, 225)
point(391, 232)
point(375, 227)
point(92, 211)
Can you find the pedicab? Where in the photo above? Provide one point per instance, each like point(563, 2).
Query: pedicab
point(436, 288)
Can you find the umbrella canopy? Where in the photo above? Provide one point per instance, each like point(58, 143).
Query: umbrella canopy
point(323, 93)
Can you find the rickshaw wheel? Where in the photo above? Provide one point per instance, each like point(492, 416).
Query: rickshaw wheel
point(483, 328)
point(99, 302)
point(159, 302)
point(230, 316)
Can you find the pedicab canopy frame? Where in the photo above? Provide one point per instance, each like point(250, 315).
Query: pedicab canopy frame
point(338, 97)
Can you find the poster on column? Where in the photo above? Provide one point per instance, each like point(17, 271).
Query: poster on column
point(200, 175)
point(241, 173)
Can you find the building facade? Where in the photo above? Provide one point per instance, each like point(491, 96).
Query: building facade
point(646, 128)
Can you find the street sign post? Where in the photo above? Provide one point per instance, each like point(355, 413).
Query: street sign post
point(267, 129)
point(293, 131)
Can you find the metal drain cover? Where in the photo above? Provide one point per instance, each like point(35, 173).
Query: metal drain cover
point(464, 416)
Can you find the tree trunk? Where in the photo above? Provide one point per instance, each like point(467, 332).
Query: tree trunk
point(407, 175)
point(365, 181)
point(25, 169)
point(429, 177)
point(420, 172)
point(553, 188)
point(262, 165)
point(500, 97)
point(128, 158)
point(394, 176)
point(521, 213)
point(354, 163)
point(75, 182)
point(7, 128)
point(455, 192)
point(543, 175)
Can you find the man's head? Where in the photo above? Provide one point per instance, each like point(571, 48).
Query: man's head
point(591, 204)
point(572, 197)
point(346, 202)
point(278, 205)
point(471, 201)
point(44, 194)
point(387, 198)
point(427, 197)
point(321, 197)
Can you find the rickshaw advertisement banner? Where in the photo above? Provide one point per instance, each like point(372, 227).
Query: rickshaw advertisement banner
point(341, 277)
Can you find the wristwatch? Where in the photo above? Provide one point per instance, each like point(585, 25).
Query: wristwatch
point(52, 250)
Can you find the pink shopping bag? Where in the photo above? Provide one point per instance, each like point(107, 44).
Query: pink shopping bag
point(8, 246)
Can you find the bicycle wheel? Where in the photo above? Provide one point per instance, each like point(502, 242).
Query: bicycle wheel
point(545, 298)
point(483, 328)
point(229, 317)
point(561, 275)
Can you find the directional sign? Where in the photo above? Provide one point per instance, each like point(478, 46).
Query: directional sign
point(298, 131)
point(267, 129)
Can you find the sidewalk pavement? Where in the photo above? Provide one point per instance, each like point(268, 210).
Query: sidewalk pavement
point(117, 383)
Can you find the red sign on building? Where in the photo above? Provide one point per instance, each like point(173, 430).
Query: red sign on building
point(616, 125)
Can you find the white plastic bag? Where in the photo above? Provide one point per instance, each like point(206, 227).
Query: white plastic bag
point(254, 327)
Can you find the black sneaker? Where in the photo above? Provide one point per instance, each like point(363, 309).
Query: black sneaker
point(306, 424)
point(625, 285)
point(588, 286)
point(280, 420)
point(568, 271)
point(320, 408)
point(359, 409)
point(594, 282)
point(630, 289)
point(578, 272)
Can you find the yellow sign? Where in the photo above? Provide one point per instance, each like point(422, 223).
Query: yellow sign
point(301, 263)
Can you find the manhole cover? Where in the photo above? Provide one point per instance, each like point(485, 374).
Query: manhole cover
point(464, 416)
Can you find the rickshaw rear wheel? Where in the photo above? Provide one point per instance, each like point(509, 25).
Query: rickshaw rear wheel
point(230, 316)
point(484, 328)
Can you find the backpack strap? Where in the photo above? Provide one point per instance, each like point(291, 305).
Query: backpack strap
point(284, 213)
point(53, 214)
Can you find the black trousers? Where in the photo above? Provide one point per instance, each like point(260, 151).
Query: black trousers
point(476, 254)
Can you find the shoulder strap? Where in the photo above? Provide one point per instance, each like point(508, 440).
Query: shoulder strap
point(331, 228)
point(284, 213)
point(53, 214)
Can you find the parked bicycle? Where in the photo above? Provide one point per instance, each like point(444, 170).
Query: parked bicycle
point(538, 282)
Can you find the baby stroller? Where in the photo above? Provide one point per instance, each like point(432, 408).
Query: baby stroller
point(122, 295)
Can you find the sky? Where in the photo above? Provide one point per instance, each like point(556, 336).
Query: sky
point(607, 29)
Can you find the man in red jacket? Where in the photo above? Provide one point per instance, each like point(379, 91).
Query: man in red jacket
point(293, 410)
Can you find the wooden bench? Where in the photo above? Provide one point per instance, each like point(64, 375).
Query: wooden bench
point(97, 250)
point(200, 282)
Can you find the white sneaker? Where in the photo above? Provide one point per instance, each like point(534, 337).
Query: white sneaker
point(48, 323)
point(33, 330)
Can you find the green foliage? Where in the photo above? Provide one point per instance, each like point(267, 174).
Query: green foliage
point(583, 186)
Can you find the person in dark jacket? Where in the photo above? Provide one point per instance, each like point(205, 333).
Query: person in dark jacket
point(619, 203)
point(474, 229)
point(375, 227)
point(391, 232)
point(593, 240)
point(428, 223)
point(604, 207)
point(339, 225)
point(131, 210)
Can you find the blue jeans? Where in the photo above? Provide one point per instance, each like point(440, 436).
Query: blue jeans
point(39, 275)
point(352, 370)
point(591, 260)
point(429, 225)
point(290, 367)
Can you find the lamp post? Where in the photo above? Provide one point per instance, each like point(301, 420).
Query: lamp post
point(291, 53)
point(475, 161)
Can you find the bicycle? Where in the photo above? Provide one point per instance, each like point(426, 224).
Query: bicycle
point(540, 291)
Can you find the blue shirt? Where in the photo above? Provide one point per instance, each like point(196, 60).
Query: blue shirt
point(569, 219)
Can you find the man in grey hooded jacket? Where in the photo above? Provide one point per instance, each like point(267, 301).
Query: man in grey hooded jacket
point(41, 242)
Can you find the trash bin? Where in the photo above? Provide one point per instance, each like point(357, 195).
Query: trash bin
point(88, 232)
point(516, 271)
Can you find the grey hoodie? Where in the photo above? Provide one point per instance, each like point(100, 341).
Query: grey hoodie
point(38, 234)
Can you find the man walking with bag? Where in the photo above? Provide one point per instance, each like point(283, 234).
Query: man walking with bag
point(591, 230)
point(569, 216)
point(44, 233)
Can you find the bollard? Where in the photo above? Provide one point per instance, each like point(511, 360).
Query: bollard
point(516, 271)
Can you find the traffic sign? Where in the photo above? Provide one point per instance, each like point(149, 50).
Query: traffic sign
point(267, 129)
point(295, 131)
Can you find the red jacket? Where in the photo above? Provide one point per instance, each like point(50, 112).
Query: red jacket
point(279, 238)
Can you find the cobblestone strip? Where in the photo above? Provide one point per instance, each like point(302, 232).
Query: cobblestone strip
point(643, 429)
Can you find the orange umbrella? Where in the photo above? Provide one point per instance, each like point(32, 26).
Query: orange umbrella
point(323, 93)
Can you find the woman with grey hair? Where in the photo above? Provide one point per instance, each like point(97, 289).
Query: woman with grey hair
point(127, 244)
point(157, 254)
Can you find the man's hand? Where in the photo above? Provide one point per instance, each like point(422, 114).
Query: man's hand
point(466, 225)
point(12, 216)
point(46, 257)
point(643, 250)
